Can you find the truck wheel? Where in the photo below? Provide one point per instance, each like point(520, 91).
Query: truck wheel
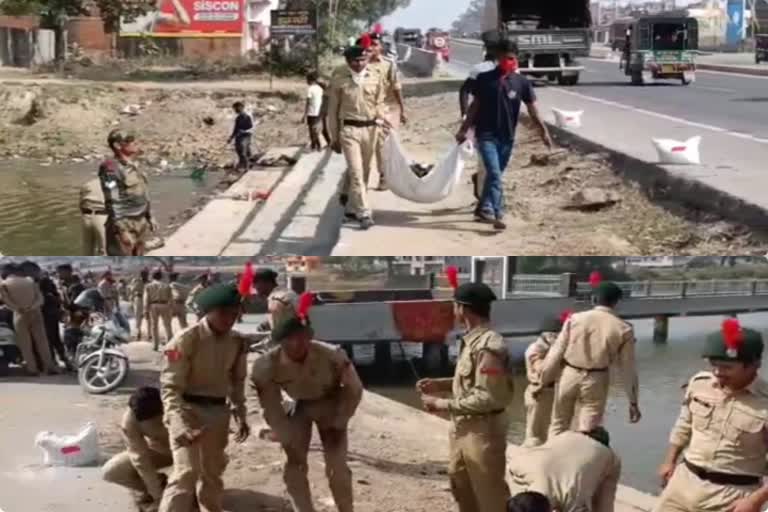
point(568, 80)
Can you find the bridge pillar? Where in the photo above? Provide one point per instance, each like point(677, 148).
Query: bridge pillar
point(434, 357)
point(661, 329)
point(382, 356)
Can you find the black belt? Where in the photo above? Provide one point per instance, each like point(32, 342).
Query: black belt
point(88, 211)
point(722, 478)
point(359, 124)
point(588, 370)
point(204, 400)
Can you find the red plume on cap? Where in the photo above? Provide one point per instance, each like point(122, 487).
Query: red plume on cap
point(733, 336)
point(595, 278)
point(378, 29)
point(565, 315)
point(452, 273)
point(306, 300)
point(365, 41)
point(246, 281)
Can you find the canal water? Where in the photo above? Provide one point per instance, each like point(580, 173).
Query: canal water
point(663, 368)
point(39, 211)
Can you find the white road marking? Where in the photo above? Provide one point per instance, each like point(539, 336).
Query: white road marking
point(716, 89)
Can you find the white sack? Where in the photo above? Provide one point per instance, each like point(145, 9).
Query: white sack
point(81, 449)
point(567, 119)
point(678, 153)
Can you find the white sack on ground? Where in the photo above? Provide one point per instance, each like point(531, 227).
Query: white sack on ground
point(678, 153)
point(437, 185)
point(81, 449)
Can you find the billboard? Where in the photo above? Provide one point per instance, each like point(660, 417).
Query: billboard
point(189, 18)
point(734, 33)
point(292, 23)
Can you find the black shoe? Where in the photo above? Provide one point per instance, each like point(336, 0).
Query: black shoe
point(366, 223)
point(499, 224)
point(343, 200)
point(484, 217)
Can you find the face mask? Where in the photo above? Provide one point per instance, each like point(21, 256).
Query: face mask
point(507, 65)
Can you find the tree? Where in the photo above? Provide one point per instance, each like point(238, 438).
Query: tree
point(53, 15)
point(112, 11)
point(472, 19)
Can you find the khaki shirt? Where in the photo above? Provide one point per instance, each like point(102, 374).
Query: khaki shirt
point(596, 339)
point(534, 358)
point(21, 294)
point(573, 470)
point(157, 292)
point(136, 288)
point(192, 297)
point(722, 432)
point(179, 292)
point(320, 378)
point(91, 196)
point(391, 78)
point(281, 302)
point(481, 384)
point(199, 362)
point(141, 439)
point(348, 100)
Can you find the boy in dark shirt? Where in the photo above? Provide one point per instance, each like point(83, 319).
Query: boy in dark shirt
point(241, 134)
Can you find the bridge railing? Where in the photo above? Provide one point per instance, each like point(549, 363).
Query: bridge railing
point(552, 286)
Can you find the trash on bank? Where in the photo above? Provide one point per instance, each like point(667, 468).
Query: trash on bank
point(81, 449)
point(674, 152)
point(567, 119)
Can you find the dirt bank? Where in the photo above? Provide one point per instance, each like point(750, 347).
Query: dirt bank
point(537, 189)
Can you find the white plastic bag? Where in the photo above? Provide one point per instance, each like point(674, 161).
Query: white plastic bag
point(567, 119)
point(437, 185)
point(81, 449)
point(673, 152)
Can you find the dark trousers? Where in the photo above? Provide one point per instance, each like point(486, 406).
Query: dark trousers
point(315, 127)
point(243, 150)
point(51, 321)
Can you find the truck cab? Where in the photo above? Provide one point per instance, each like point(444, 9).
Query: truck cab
point(439, 41)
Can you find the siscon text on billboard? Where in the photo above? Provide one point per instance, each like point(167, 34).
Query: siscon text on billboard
point(189, 18)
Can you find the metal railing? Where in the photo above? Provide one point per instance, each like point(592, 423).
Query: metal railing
point(551, 285)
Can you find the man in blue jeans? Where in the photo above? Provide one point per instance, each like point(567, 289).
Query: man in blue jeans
point(494, 114)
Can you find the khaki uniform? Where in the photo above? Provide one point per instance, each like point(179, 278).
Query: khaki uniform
point(721, 433)
point(200, 371)
point(136, 296)
point(360, 103)
point(23, 297)
point(157, 301)
point(147, 450)
point(327, 392)
point(108, 290)
point(179, 294)
point(573, 470)
point(538, 397)
point(192, 298)
point(391, 78)
point(93, 218)
point(126, 197)
point(589, 344)
point(481, 393)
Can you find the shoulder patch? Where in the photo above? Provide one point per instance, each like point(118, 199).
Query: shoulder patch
point(173, 355)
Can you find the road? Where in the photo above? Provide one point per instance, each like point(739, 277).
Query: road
point(727, 110)
point(735, 103)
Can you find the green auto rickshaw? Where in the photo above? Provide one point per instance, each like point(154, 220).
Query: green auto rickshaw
point(661, 48)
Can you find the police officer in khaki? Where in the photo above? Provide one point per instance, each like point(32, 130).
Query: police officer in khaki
point(722, 431)
point(22, 296)
point(326, 389)
point(203, 388)
point(589, 344)
point(574, 470)
point(179, 294)
point(108, 291)
point(136, 296)
point(481, 392)
point(194, 293)
point(539, 397)
point(147, 450)
point(93, 217)
point(157, 306)
point(355, 112)
point(280, 301)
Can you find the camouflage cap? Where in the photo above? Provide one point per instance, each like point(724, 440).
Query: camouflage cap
point(218, 296)
point(474, 294)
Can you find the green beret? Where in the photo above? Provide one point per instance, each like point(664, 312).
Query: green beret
point(551, 324)
point(750, 350)
point(218, 296)
point(265, 274)
point(474, 294)
point(287, 326)
point(609, 292)
point(354, 52)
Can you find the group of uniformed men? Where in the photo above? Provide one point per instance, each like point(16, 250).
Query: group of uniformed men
point(567, 462)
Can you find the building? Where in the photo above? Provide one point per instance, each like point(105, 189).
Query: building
point(257, 23)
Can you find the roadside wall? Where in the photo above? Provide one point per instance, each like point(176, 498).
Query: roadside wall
point(202, 47)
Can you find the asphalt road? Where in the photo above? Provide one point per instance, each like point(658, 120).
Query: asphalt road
point(733, 103)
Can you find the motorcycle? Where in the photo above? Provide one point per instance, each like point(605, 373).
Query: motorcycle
point(102, 365)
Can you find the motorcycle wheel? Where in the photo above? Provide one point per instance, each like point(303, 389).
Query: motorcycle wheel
point(98, 380)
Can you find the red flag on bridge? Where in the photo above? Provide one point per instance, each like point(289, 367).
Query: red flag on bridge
point(595, 278)
point(246, 281)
